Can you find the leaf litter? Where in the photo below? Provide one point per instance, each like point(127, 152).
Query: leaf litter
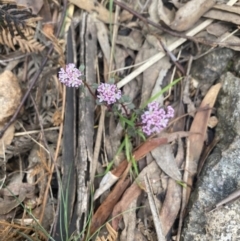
point(142, 59)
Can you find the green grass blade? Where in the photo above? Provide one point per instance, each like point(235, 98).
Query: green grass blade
point(161, 92)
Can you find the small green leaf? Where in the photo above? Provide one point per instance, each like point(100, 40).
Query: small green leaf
point(134, 164)
point(127, 147)
point(111, 81)
point(94, 86)
point(81, 67)
point(140, 133)
point(131, 106)
point(130, 123)
point(125, 98)
point(182, 184)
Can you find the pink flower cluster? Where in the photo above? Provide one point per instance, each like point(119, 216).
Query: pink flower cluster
point(155, 118)
point(70, 76)
point(108, 93)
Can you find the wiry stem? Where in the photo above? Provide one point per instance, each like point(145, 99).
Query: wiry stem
point(91, 92)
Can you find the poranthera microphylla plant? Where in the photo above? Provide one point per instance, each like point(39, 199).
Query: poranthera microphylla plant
point(151, 120)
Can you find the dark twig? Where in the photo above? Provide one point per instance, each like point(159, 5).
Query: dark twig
point(125, 109)
point(36, 76)
point(89, 89)
point(172, 57)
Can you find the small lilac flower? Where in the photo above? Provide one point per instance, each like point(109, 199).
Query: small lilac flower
point(108, 93)
point(71, 76)
point(155, 118)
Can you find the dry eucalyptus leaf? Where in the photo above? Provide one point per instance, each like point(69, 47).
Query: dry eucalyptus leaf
point(8, 205)
point(151, 74)
point(158, 12)
point(133, 41)
point(190, 13)
point(130, 223)
point(14, 188)
point(166, 161)
point(195, 141)
point(223, 16)
point(102, 35)
point(227, 8)
point(108, 180)
point(6, 139)
point(169, 212)
point(10, 95)
point(153, 11)
point(217, 29)
point(96, 9)
point(48, 215)
point(166, 15)
point(133, 192)
point(34, 5)
point(162, 73)
point(233, 40)
point(119, 56)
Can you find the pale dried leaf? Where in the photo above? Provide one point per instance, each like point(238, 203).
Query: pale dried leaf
point(158, 12)
point(7, 206)
point(119, 56)
point(217, 29)
point(171, 206)
point(133, 192)
point(107, 181)
point(96, 9)
point(166, 15)
point(130, 222)
point(233, 40)
point(164, 157)
point(155, 215)
point(48, 214)
point(112, 140)
point(130, 42)
point(195, 141)
point(152, 10)
point(7, 138)
point(190, 13)
point(162, 73)
point(199, 124)
point(102, 35)
point(14, 188)
point(223, 16)
point(152, 73)
point(227, 8)
point(169, 211)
